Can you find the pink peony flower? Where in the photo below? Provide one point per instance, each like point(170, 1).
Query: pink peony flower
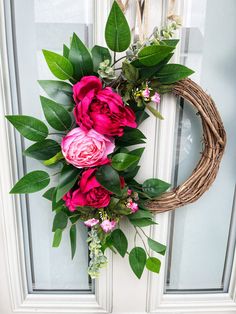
point(91, 222)
point(156, 98)
point(133, 206)
point(108, 225)
point(101, 109)
point(146, 93)
point(86, 148)
point(71, 200)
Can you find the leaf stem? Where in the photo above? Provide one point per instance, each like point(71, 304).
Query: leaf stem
point(142, 241)
point(118, 60)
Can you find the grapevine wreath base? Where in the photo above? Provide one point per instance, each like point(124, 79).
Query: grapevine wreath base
point(214, 140)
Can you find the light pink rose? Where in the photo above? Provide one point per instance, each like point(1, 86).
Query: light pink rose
point(85, 149)
point(91, 222)
point(108, 225)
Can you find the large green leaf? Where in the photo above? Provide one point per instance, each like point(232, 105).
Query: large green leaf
point(57, 116)
point(141, 116)
point(122, 161)
point(59, 91)
point(60, 221)
point(57, 238)
point(152, 55)
point(59, 65)
point(109, 179)
point(131, 136)
point(119, 241)
point(169, 42)
point(137, 260)
point(117, 32)
point(43, 150)
point(31, 182)
point(142, 222)
point(141, 214)
point(80, 58)
point(49, 193)
point(73, 240)
point(30, 127)
point(99, 55)
point(67, 179)
point(153, 264)
point(156, 246)
point(171, 73)
point(155, 187)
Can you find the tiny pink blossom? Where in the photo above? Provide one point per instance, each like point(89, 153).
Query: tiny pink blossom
point(129, 192)
point(108, 225)
point(91, 222)
point(133, 206)
point(156, 98)
point(146, 93)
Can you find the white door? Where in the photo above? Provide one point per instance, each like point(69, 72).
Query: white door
point(198, 273)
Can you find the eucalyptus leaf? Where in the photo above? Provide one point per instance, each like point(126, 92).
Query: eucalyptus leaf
point(59, 91)
point(117, 32)
point(43, 150)
point(30, 127)
point(57, 116)
point(119, 241)
point(60, 66)
point(137, 260)
point(31, 182)
point(80, 58)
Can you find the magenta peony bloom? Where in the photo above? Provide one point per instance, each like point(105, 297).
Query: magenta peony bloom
point(91, 222)
point(108, 225)
point(101, 109)
point(86, 148)
point(72, 200)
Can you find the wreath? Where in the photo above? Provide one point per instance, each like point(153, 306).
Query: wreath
point(94, 119)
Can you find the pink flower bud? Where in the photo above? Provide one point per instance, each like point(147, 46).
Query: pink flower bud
point(146, 93)
point(91, 222)
point(133, 206)
point(156, 98)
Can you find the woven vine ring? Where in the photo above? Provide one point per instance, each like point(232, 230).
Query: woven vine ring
point(214, 140)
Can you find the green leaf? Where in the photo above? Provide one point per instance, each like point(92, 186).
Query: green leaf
point(59, 65)
point(60, 221)
point(169, 42)
point(57, 116)
point(119, 241)
point(80, 58)
point(156, 246)
point(31, 182)
point(152, 55)
point(59, 156)
point(153, 264)
point(67, 179)
point(137, 152)
point(117, 32)
point(122, 161)
point(73, 240)
point(142, 222)
point(57, 238)
point(129, 174)
point(131, 137)
point(141, 116)
point(155, 187)
point(57, 205)
point(141, 214)
point(172, 73)
point(59, 91)
point(137, 260)
point(49, 194)
point(43, 150)
point(109, 179)
point(99, 55)
point(156, 113)
point(66, 51)
point(130, 72)
point(31, 128)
